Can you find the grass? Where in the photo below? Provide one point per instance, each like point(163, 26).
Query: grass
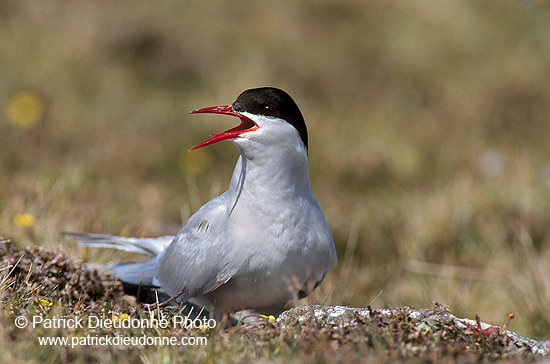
point(428, 126)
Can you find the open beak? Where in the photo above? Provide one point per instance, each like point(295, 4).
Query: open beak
point(246, 124)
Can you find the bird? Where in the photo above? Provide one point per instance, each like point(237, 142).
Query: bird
point(263, 242)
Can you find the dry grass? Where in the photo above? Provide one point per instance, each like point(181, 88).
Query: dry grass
point(428, 121)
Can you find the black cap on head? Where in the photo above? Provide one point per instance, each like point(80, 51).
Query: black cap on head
point(270, 101)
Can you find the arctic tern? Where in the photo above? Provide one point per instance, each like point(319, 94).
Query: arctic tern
point(261, 243)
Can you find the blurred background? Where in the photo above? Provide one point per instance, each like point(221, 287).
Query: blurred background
point(429, 132)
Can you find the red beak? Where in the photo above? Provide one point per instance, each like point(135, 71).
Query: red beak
point(246, 124)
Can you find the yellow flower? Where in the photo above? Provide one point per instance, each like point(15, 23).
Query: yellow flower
point(120, 317)
point(25, 110)
point(270, 317)
point(24, 220)
point(45, 303)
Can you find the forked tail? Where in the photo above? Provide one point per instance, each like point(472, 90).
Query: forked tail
point(141, 273)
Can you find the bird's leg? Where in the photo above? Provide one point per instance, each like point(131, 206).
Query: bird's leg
point(227, 320)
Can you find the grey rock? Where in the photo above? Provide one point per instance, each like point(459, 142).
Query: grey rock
point(432, 319)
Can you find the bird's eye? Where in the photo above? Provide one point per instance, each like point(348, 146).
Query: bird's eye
point(266, 107)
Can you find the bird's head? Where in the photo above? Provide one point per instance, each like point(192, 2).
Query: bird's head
point(268, 115)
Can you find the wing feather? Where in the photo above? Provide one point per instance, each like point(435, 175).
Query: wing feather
point(197, 258)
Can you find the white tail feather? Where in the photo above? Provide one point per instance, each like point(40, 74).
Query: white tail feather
point(138, 273)
point(147, 246)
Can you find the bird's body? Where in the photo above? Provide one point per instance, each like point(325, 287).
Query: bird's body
point(261, 243)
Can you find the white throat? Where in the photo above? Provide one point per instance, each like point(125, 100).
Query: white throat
point(271, 176)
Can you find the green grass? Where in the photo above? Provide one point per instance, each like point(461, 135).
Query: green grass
point(428, 130)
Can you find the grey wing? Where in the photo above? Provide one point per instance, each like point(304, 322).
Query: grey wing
point(197, 258)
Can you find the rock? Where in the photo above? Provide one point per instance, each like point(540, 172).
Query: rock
point(410, 331)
